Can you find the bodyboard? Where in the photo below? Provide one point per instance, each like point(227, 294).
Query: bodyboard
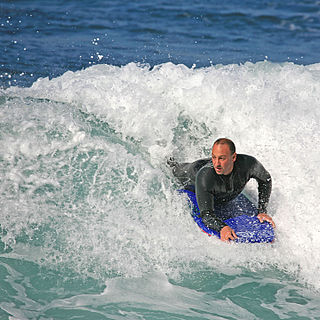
point(248, 228)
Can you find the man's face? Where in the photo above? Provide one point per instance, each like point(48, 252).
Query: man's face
point(222, 159)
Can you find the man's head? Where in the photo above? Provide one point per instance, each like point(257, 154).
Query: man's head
point(223, 156)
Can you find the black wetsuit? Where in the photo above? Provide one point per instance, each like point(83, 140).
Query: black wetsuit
point(213, 189)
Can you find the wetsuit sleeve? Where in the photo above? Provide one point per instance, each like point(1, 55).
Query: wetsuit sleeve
point(206, 201)
point(264, 180)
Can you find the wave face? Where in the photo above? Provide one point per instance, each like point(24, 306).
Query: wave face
point(84, 186)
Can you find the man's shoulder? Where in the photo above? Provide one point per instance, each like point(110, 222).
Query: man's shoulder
point(245, 158)
point(206, 169)
point(249, 165)
point(245, 162)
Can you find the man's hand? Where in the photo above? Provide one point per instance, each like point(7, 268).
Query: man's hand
point(264, 217)
point(227, 233)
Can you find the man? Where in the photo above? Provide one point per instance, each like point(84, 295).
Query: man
point(220, 180)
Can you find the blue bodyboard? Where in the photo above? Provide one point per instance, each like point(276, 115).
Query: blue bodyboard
point(248, 228)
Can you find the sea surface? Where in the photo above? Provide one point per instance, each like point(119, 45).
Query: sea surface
point(94, 95)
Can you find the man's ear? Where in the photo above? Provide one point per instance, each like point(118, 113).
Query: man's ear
point(234, 157)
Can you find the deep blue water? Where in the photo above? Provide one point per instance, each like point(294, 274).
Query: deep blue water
point(47, 38)
point(93, 96)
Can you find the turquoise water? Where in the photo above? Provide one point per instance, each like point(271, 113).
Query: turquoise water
point(41, 293)
point(91, 224)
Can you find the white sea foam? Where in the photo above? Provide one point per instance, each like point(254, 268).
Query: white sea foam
point(88, 161)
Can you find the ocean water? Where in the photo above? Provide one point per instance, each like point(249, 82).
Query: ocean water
point(94, 96)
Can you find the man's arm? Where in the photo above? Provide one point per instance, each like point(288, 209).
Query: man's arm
point(205, 200)
point(264, 192)
point(264, 180)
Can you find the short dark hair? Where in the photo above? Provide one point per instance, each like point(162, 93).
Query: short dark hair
point(230, 143)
